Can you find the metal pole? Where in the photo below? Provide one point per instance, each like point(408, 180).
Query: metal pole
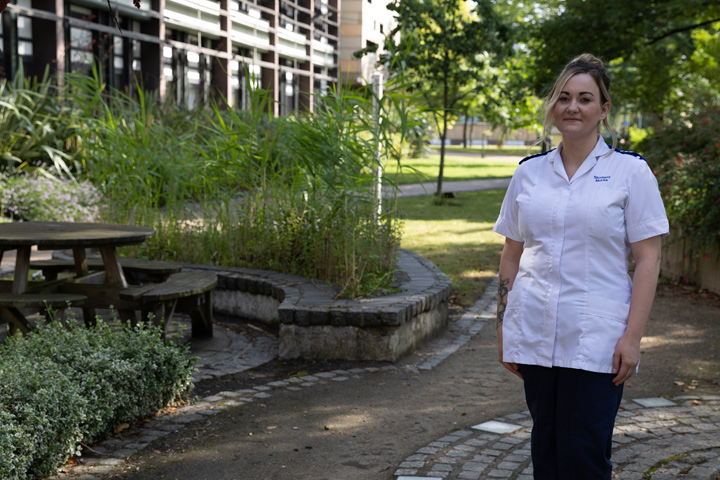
point(377, 84)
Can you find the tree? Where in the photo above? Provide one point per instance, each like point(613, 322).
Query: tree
point(649, 45)
point(449, 48)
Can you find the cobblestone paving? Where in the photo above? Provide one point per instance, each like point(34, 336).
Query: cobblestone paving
point(675, 440)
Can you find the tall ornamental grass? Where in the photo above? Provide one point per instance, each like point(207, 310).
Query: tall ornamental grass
point(37, 128)
point(242, 188)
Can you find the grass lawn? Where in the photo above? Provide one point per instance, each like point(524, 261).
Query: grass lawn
point(457, 167)
point(492, 150)
point(458, 238)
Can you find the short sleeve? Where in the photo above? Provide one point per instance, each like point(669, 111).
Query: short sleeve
point(645, 215)
point(507, 222)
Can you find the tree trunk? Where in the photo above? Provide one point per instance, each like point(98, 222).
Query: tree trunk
point(465, 131)
point(443, 136)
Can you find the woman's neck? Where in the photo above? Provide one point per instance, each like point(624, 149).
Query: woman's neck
point(575, 151)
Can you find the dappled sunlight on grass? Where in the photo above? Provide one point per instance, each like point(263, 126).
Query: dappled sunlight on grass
point(425, 169)
point(458, 239)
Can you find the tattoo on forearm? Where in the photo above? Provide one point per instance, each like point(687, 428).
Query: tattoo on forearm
point(502, 300)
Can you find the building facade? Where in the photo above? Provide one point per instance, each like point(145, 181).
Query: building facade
point(188, 51)
point(364, 23)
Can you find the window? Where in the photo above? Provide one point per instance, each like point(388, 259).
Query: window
point(24, 38)
point(2, 50)
point(288, 92)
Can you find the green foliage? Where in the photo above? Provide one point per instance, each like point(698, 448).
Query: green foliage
point(38, 129)
point(686, 159)
point(246, 189)
point(47, 198)
point(450, 52)
point(136, 151)
point(661, 54)
point(60, 386)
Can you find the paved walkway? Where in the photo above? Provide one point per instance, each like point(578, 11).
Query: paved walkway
point(655, 438)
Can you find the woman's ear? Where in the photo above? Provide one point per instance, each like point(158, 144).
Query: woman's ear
point(604, 111)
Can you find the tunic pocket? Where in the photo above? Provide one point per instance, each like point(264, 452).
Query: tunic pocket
point(603, 323)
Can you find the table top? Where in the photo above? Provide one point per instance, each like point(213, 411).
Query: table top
point(71, 234)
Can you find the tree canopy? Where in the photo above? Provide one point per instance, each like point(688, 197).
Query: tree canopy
point(452, 47)
point(656, 49)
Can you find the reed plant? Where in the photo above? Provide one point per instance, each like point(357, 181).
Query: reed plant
point(37, 128)
point(242, 188)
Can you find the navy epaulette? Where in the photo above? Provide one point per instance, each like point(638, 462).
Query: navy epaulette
point(535, 156)
point(634, 154)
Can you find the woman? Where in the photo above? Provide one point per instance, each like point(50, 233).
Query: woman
point(570, 319)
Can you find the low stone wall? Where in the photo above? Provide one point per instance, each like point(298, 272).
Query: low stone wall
point(314, 324)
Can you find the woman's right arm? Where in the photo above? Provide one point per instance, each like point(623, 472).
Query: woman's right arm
point(509, 266)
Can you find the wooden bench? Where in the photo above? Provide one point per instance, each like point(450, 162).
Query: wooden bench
point(10, 305)
point(186, 292)
point(135, 270)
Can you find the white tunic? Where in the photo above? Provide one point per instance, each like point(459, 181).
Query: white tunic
point(570, 300)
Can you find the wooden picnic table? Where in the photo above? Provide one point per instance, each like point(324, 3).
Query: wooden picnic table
point(189, 292)
point(106, 237)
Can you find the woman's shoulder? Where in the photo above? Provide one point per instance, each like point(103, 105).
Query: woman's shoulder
point(629, 155)
point(537, 156)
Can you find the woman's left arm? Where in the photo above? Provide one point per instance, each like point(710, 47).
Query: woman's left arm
point(647, 269)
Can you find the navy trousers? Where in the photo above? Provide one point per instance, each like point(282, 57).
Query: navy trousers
point(573, 414)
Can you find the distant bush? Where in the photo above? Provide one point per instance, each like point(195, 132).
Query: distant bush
point(41, 198)
point(686, 159)
point(60, 386)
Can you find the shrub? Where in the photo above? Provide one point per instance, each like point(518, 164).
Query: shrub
point(41, 198)
point(686, 159)
point(60, 385)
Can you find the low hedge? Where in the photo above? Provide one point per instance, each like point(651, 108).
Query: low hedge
point(61, 386)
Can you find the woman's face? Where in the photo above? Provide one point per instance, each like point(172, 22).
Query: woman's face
point(578, 111)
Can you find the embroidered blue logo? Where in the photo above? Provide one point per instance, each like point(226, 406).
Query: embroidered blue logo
point(601, 179)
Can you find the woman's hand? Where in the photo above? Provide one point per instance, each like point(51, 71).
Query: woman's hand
point(513, 367)
point(625, 358)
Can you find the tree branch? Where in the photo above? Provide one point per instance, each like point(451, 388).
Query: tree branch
point(114, 16)
point(681, 29)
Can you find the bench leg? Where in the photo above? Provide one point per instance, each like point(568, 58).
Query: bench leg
point(202, 318)
point(162, 314)
point(16, 320)
point(89, 316)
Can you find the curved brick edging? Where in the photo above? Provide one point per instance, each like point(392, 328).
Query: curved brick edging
point(315, 324)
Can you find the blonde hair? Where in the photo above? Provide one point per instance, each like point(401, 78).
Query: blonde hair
point(591, 65)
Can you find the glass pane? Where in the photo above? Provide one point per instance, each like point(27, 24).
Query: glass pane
point(193, 77)
point(118, 45)
point(25, 48)
point(80, 39)
point(80, 60)
point(193, 58)
point(24, 27)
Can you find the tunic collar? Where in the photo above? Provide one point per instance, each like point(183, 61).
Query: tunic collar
point(601, 148)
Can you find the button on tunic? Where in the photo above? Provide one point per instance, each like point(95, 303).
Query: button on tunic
point(570, 300)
